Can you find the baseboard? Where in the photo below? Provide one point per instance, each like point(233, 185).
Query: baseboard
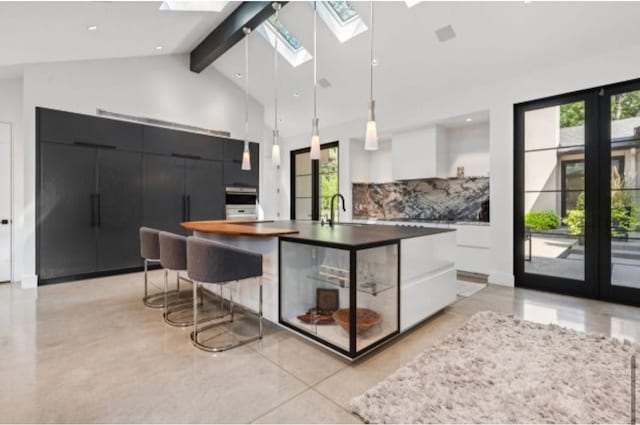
point(503, 279)
point(29, 281)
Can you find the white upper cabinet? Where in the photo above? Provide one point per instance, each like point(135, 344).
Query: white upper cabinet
point(420, 154)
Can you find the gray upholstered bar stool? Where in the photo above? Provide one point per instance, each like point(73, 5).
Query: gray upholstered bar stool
point(150, 251)
point(173, 257)
point(211, 262)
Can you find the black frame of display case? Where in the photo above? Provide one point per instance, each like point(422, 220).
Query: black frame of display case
point(352, 354)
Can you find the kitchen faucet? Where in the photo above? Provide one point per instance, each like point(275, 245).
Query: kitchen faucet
point(337, 195)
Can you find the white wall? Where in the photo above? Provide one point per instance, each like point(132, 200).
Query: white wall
point(159, 87)
point(468, 147)
point(499, 99)
point(11, 112)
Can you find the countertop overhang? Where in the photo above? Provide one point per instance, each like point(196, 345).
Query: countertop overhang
point(341, 235)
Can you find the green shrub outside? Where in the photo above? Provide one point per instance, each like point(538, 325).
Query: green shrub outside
point(542, 220)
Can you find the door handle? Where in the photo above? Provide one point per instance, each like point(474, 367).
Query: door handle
point(188, 207)
point(4, 221)
point(99, 196)
point(94, 219)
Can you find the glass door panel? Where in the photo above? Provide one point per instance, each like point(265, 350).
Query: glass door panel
point(554, 191)
point(624, 202)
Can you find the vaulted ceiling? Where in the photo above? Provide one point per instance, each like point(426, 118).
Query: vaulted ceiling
point(495, 40)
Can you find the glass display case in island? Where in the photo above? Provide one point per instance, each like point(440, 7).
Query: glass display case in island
point(344, 297)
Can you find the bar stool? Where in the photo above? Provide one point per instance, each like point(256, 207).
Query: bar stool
point(211, 262)
point(173, 257)
point(150, 251)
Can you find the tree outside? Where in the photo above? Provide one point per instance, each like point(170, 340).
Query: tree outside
point(623, 105)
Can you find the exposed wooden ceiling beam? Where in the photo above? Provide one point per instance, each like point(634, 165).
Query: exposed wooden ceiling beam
point(249, 14)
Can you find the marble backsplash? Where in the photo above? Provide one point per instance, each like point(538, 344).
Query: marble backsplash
point(436, 199)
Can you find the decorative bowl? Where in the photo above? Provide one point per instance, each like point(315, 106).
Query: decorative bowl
point(365, 319)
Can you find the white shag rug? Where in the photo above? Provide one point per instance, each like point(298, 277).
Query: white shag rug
point(499, 369)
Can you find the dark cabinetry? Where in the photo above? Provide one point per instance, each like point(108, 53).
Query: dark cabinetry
point(99, 180)
point(233, 173)
point(181, 189)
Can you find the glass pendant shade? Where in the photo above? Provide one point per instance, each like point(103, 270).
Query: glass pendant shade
point(246, 158)
point(315, 140)
point(371, 135)
point(275, 150)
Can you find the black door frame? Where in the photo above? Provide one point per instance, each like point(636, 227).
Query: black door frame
point(315, 180)
point(588, 286)
point(609, 292)
point(597, 283)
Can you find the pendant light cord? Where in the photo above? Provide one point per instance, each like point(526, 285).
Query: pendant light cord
point(246, 84)
point(371, 54)
point(275, 73)
point(315, 60)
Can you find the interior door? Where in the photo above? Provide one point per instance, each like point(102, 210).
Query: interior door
point(163, 196)
point(67, 213)
point(119, 209)
point(204, 190)
point(620, 197)
point(5, 202)
point(556, 197)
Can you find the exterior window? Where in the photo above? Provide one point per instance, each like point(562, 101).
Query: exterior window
point(313, 183)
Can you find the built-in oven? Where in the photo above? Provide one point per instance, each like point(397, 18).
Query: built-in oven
point(241, 202)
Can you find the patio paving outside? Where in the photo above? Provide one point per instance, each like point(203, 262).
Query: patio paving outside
point(562, 256)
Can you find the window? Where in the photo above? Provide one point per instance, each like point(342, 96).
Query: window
point(289, 46)
point(313, 183)
point(573, 180)
point(343, 21)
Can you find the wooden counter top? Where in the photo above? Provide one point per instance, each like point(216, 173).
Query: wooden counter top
point(237, 227)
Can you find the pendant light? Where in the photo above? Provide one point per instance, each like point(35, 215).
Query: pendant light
point(315, 132)
point(275, 150)
point(246, 156)
point(371, 135)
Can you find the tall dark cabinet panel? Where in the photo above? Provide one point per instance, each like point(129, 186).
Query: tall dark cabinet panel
point(67, 206)
point(163, 198)
point(119, 209)
point(100, 179)
point(204, 190)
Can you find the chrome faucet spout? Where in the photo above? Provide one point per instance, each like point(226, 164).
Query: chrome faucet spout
point(337, 195)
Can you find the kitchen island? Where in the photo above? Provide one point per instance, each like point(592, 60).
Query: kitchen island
point(349, 287)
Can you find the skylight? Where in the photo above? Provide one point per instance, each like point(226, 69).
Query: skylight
point(343, 9)
point(193, 6)
point(284, 33)
point(343, 21)
point(289, 46)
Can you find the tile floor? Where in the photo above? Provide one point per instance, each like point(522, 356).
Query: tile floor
point(89, 351)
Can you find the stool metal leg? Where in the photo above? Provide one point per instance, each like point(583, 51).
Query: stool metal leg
point(177, 305)
point(151, 301)
point(237, 343)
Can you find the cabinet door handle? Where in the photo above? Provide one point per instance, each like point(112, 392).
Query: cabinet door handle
point(94, 215)
point(99, 196)
point(180, 155)
point(189, 207)
point(184, 208)
point(94, 145)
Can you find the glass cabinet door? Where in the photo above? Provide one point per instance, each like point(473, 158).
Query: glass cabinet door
point(377, 298)
point(346, 299)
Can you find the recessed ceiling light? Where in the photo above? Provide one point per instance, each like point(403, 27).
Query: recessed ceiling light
point(238, 75)
point(92, 27)
point(296, 94)
point(374, 62)
point(411, 3)
point(159, 47)
point(469, 119)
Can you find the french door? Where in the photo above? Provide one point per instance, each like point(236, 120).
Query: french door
point(577, 193)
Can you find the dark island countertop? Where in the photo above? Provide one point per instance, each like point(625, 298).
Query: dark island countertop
point(348, 235)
